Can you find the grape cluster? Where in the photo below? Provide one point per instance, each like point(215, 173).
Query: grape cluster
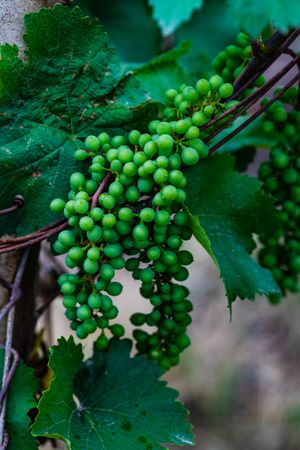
point(230, 62)
point(280, 250)
point(127, 212)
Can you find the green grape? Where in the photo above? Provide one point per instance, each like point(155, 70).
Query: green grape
point(94, 301)
point(147, 214)
point(140, 232)
point(95, 234)
point(92, 143)
point(90, 266)
point(75, 253)
point(57, 205)
point(77, 180)
point(86, 223)
point(117, 330)
point(107, 272)
point(203, 87)
point(189, 156)
point(66, 238)
point(102, 342)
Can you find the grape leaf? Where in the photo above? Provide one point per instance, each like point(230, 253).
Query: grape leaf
point(10, 66)
point(127, 29)
point(209, 31)
point(71, 85)
point(163, 72)
point(229, 208)
point(20, 399)
point(254, 16)
point(120, 402)
point(170, 14)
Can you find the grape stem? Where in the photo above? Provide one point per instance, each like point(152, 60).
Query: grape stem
point(17, 203)
point(293, 54)
point(100, 190)
point(255, 115)
point(10, 368)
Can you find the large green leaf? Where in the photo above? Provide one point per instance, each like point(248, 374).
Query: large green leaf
point(254, 16)
point(209, 30)
point(20, 399)
point(72, 85)
point(129, 25)
point(170, 14)
point(230, 207)
point(120, 402)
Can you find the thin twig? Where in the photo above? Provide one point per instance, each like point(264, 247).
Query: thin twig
point(255, 115)
point(34, 234)
point(18, 202)
point(293, 54)
point(7, 374)
point(100, 190)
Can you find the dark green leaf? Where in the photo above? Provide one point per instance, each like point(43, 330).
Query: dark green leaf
point(120, 402)
point(10, 66)
point(255, 16)
point(230, 208)
point(20, 400)
point(129, 25)
point(163, 72)
point(209, 30)
point(170, 14)
point(72, 85)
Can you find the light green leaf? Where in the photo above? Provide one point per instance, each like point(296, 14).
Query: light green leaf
point(170, 14)
point(120, 402)
point(72, 85)
point(254, 16)
point(230, 207)
point(20, 399)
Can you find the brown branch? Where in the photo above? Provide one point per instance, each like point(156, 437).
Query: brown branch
point(254, 116)
point(100, 189)
point(293, 54)
point(18, 202)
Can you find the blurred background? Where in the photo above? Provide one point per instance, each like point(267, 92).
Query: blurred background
point(240, 379)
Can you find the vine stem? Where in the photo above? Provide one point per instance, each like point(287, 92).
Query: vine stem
point(18, 202)
point(100, 190)
point(293, 54)
point(255, 115)
point(9, 369)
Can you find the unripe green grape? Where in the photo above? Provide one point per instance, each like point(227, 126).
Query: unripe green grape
point(159, 238)
point(94, 301)
point(109, 220)
point(177, 178)
point(117, 141)
point(192, 133)
point(102, 322)
point(180, 127)
point(189, 156)
point(160, 176)
point(199, 118)
point(81, 155)
point(215, 83)
point(115, 189)
point(114, 288)
point(190, 94)
point(123, 227)
point(102, 342)
point(165, 144)
point(162, 162)
point(186, 233)
point(140, 232)
point(96, 168)
point(81, 206)
point(96, 214)
point(116, 165)
point(139, 158)
point(203, 87)
point(144, 138)
point(113, 250)
point(126, 181)
point(90, 326)
point(125, 214)
point(86, 223)
point(69, 301)
point(209, 110)
point(162, 217)
point(66, 238)
point(90, 266)
point(107, 201)
point(290, 175)
point(280, 114)
point(112, 154)
point(184, 106)
point(57, 205)
point(84, 312)
point(77, 180)
point(158, 200)
point(117, 330)
point(169, 193)
point(95, 234)
point(178, 99)
point(149, 167)
point(112, 313)
point(70, 263)
point(153, 253)
point(163, 128)
point(174, 242)
point(182, 275)
point(175, 161)
point(169, 258)
point(133, 137)
point(226, 90)
point(146, 184)
point(147, 214)
point(75, 253)
point(170, 95)
point(117, 263)
point(130, 169)
point(281, 160)
point(92, 143)
point(147, 275)
point(185, 257)
point(80, 332)
point(93, 253)
point(107, 272)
